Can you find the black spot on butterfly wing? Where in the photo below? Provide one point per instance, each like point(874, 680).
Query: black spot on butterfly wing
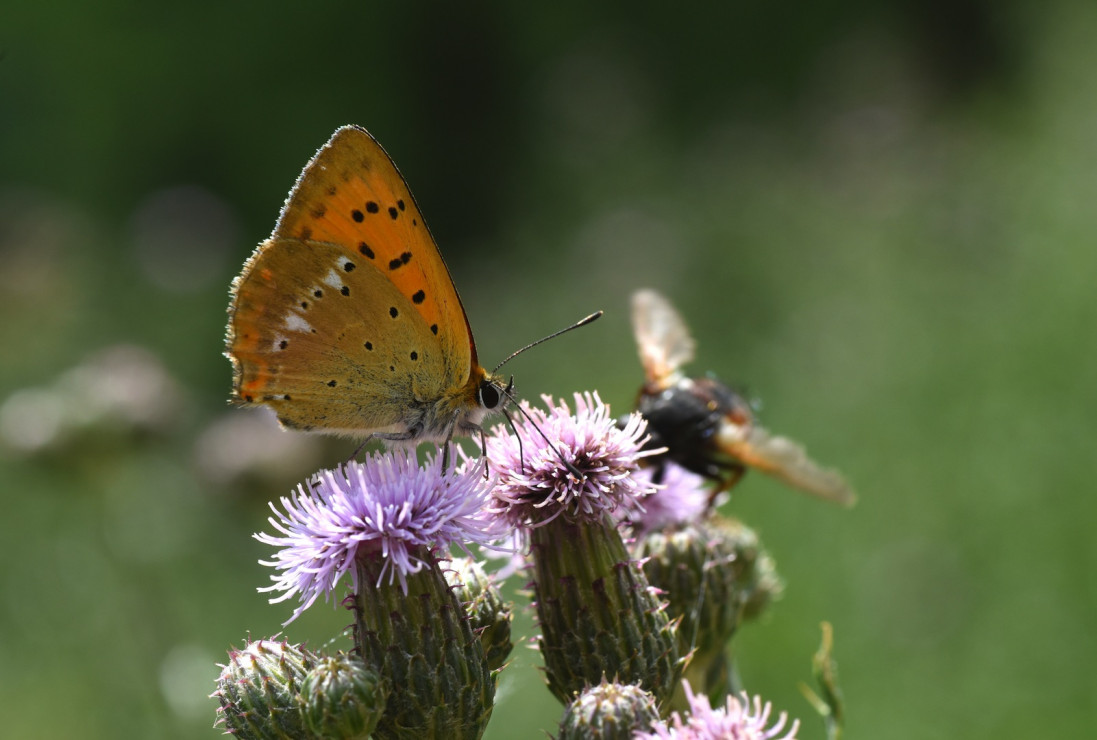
point(400, 261)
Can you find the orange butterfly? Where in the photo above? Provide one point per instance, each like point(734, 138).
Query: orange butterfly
point(705, 426)
point(346, 319)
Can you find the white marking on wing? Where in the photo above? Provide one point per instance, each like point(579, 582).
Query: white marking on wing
point(296, 322)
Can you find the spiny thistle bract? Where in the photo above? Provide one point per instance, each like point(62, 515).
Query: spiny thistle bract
point(423, 642)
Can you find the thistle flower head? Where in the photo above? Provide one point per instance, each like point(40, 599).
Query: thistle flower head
point(680, 497)
point(387, 506)
point(536, 479)
point(739, 717)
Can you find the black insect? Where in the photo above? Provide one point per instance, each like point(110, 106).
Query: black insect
point(705, 426)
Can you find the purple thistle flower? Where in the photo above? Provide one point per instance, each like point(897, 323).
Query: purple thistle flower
point(681, 498)
point(388, 505)
point(533, 484)
point(739, 718)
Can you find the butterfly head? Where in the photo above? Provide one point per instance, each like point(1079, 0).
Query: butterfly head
point(492, 394)
point(484, 394)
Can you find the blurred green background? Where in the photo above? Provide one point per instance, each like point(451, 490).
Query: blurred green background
point(876, 216)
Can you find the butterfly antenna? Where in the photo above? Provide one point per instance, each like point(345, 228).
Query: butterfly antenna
point(508, 392)
point(566, 329)
point(559, 455)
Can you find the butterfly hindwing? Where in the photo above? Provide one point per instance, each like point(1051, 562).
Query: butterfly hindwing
point(328, 342)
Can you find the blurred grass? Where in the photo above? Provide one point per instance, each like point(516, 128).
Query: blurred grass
point(876, 217)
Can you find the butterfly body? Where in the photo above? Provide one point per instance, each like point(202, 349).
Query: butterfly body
point(346, 319)
point(704, 425)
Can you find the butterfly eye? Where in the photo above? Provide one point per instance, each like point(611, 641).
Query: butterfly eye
point(490, 396)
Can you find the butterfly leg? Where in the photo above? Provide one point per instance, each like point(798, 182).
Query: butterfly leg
point(446, 444)
point(359, 448)
point(484, 452)
point(467, 429)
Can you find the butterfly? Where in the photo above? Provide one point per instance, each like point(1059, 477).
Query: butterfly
point(705, 426)
point(346, 319)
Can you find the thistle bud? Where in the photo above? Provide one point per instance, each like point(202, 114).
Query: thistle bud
point(259, 690)
point(608, 711)
point(489, 615)
point(709, 573)
point(343, 698)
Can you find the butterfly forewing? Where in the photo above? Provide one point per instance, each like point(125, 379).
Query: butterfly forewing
point(352, 195)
